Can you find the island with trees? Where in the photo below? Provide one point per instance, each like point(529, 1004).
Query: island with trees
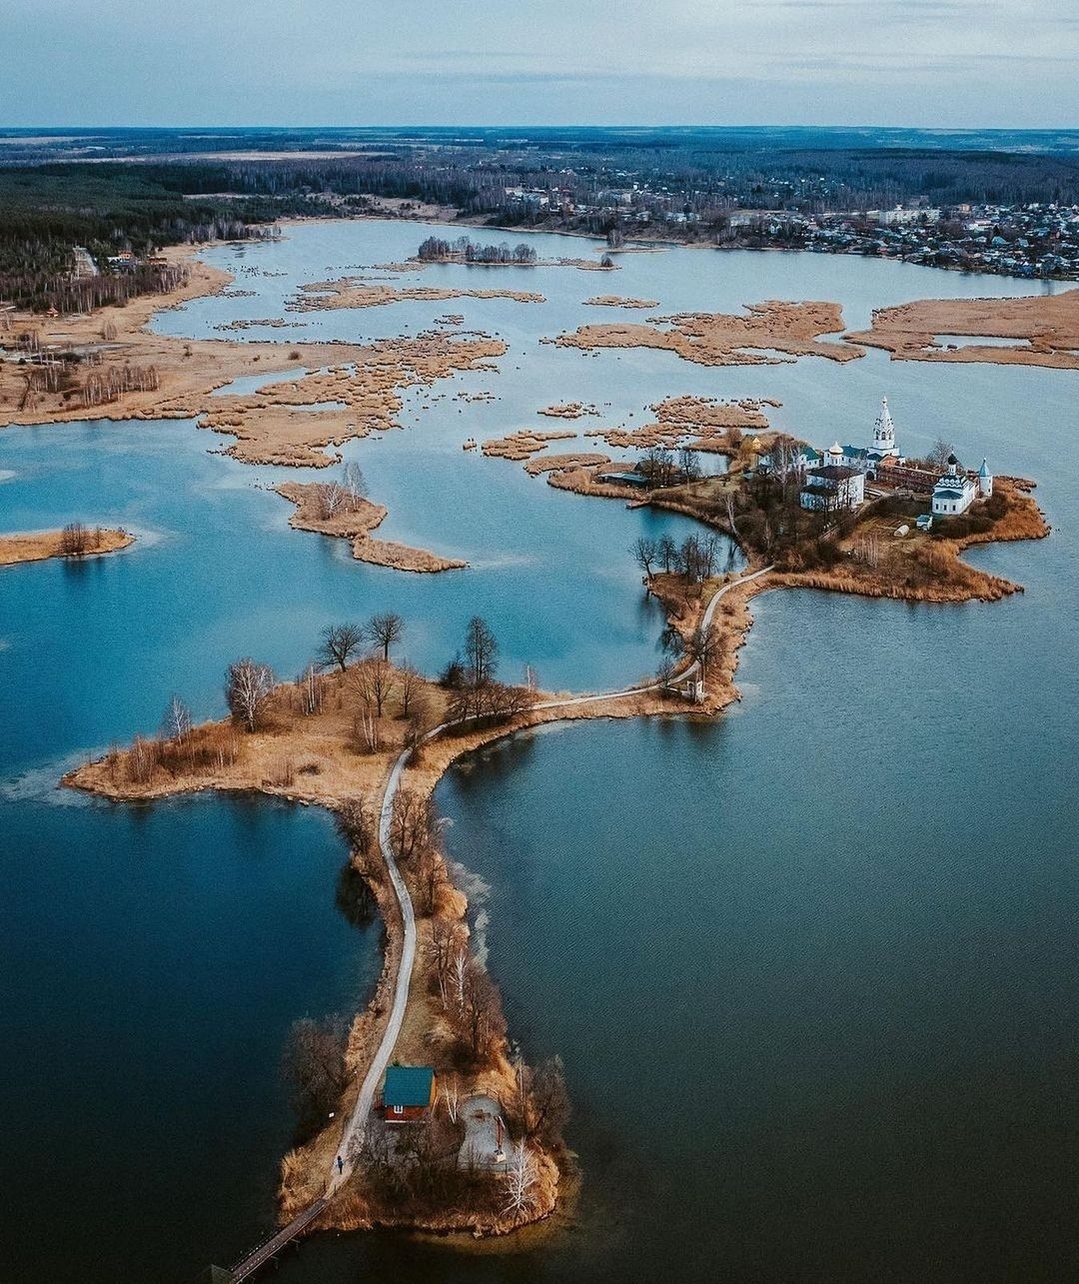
point(75, 540)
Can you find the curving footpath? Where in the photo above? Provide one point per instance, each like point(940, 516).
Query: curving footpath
point(352, 1139)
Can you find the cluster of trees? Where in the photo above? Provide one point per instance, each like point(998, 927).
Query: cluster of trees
point(76, 540)
point(478, 698)
point(337, 497)
point(48, 210)
point(438, 250)
point(663, 467)
point(697, 558)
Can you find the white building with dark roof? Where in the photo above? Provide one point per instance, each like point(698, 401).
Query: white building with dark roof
point(955, 492)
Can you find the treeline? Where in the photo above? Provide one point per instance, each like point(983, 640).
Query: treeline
point(46, 212)
point(437, 250)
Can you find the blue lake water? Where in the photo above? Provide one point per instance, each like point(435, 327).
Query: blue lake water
point(811, 968)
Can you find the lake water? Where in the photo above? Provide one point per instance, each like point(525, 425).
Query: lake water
point(811, 968)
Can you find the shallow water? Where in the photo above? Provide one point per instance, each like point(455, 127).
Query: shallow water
point(810, 968)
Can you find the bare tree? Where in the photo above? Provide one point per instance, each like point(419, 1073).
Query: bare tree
point(644, 552)
point(548, 1103)
point(689, 463)
point(665, 671)
point(666, 551)
point(518, 1182)
point(74, 540)
point(339, 642)
point(384, 629)
point(430, 876)
point(412, 823)
point(314, 1066)
point(176, 721)
point(481, 652)
point(248, 687)
point(704, 646)
point(357, 823)
point(446, 946)
point(311, 685)
point(479, 1013)
point(940, 453)
point(331, 498)
point(410, 686)
point(355, 482)
point(373, 680)
point(450, 1090)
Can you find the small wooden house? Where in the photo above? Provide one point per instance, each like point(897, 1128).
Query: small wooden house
point(408, 1094)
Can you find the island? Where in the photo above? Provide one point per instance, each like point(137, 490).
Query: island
point(74, 541)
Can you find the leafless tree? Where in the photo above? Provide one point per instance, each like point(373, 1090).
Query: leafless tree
point(446, 946)
point(412, 823)
point(176, 722)
point(939, 454)
point(518, 1182)
point(705, 645)
point(355, 482)
point(339, 643)
point(248, 687)
point(314, 1066)
point(480, 1013)
point(357, 823)
point(384, 629)
point(481, 651)
point(665, 671)
point(331, 498)
point(311, 685)
point(430, 875)
point(74, 540)
point(548, 1103)
point(374, 681)
point(786, 455)
point(644, 552)
point(689, 463)
point(410, 685)
point(450, 1090)
point(666, 551)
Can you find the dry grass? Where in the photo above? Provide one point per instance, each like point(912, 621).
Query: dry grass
point(1049, 323)
point(525, 443)
point(356, 518)
point(39, 546)
point(355, 292)
point(720, 339)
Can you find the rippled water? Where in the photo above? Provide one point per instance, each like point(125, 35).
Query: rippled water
point(810, 968)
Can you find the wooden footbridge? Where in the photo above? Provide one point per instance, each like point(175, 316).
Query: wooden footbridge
point(258, 1257)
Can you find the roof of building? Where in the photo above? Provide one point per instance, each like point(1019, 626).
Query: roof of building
point(946, 492)
point(833, 472)
point(984, 470)
point(408, 1086)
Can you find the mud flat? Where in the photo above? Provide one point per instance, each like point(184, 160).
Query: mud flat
point(701, 423)
point(356, 292)
point(354, 520)
point(522, 445)
point(616, 301)
point(1048, 323)
point(568, 410)
point(721, 339)
point(159, 377)
point(39, 546)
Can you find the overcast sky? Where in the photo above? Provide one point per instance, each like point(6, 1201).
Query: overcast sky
point(948, 63)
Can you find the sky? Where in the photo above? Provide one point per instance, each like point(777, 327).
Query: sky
point(927, 63)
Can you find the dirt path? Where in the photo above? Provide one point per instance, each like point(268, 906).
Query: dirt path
point(352, 1139)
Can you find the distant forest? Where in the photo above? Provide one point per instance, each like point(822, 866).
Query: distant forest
point(48, 206)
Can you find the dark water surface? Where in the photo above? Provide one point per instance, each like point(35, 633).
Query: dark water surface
point(811, 968)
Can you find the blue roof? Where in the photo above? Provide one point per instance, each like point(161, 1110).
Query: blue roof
point(408, 1086)
point(984, 470)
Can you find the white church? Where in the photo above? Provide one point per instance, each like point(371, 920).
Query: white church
point(836, 477)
